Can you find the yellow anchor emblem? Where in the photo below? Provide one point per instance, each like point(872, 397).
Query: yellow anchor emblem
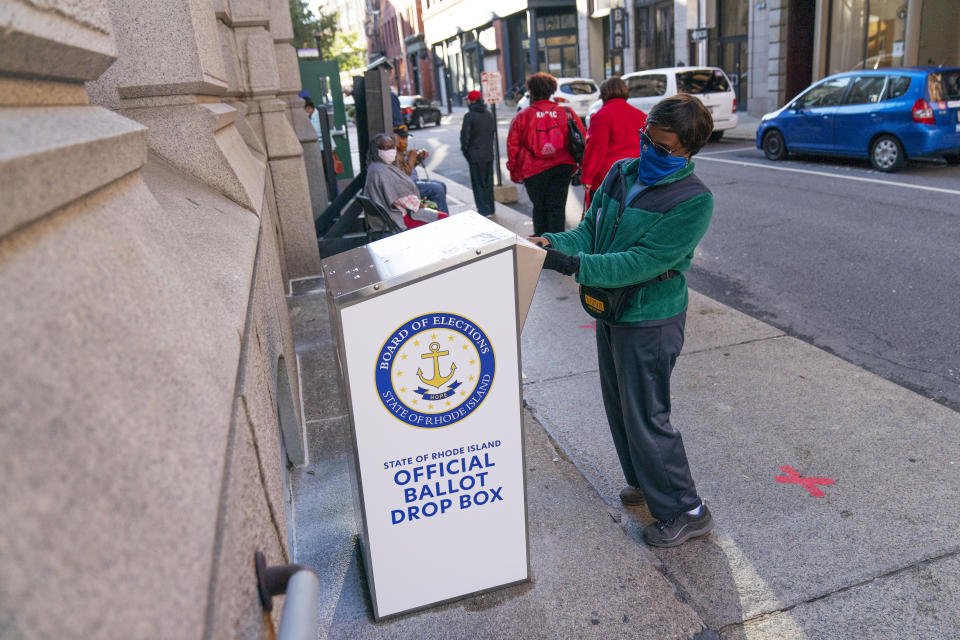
point(437, 380)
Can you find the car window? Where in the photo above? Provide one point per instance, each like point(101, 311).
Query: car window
point(578, 88)
point(826, 94)
point(654, 84)
point(897, 87)
point(422, 103)
point(406, 101)
point(944, 85)
point(702, 81)
point(866, 89)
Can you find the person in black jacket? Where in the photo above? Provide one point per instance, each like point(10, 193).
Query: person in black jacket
point(476, 143)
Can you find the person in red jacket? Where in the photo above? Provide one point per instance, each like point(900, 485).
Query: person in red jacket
point(537, 154)
point(612, 135)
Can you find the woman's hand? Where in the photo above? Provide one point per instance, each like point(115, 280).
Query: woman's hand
point(537, 240)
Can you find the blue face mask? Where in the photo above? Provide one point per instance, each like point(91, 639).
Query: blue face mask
point(655, 163)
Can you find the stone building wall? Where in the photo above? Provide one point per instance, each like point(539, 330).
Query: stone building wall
point(154, 203)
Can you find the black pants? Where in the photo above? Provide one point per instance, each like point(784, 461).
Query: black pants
point(481, 179)
point(548, 193)
point(635, 367)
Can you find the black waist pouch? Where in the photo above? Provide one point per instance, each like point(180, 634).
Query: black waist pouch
point(609, 304)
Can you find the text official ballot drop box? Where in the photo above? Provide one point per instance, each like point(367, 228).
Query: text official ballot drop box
point(429, 324)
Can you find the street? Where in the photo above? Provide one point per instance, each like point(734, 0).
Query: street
point(857, 262)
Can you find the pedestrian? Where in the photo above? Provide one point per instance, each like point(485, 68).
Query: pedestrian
point(476, 143)
point(407, 160)
point(394, 190)
point(611, 136)
point(537, 153)
point(628, 255)
point(313, 114)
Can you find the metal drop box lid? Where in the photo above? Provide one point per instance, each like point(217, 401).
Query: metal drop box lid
point(406, 257)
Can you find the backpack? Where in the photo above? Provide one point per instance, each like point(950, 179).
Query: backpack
point(548, 135)
point(576, 145)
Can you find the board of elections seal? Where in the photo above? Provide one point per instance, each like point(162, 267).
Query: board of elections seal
point(435, 370)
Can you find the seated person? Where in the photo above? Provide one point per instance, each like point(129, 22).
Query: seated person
point(407, 160)
point(390, 187)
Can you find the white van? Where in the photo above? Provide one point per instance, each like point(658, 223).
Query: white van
point(709, 84)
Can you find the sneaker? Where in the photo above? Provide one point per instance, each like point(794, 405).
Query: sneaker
point(632, 497)
point(670, 533)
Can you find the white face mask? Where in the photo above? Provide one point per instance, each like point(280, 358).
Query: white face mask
point(387, 155)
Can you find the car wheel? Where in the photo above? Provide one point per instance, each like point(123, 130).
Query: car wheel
point(773, 146)
point(418, 121)
point(886, 154)
point(437, 121)
point(716, 136)
point(952, 158)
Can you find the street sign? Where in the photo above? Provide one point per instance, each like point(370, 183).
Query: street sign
point(491, 87)
point(618, 29)
point(696, 35)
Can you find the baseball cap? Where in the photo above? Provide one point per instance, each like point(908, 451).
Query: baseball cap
point(474, 95)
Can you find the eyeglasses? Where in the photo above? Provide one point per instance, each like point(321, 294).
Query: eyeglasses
point(647, 140)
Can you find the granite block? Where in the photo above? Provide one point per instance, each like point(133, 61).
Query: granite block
point(65, 40)
point(50, 156)
point(281, 26)
point(288, 68)
point(202, 140)
point(259, 59)
point(292, 195)
point(123, 336)
point(165, 48)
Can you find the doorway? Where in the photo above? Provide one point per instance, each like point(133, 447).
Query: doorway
point(733, 60)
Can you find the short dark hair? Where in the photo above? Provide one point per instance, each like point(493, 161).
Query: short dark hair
point(541, 86)
point(613, 87)
point(307, 102)
point(372, 155)
point(685, 116)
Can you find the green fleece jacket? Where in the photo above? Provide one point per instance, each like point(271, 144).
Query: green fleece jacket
point(648, 241)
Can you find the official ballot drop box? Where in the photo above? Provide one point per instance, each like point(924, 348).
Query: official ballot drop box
point(428, 324)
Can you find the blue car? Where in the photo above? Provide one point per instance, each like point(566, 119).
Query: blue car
point(886, 115)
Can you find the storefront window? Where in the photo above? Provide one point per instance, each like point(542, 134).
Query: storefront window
point(663, 35)
point(866, 34)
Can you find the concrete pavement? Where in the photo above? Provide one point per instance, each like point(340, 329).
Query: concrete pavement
point(875, 556)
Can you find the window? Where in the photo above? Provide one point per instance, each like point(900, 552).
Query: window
point(866, 34)
point(866, 89)
point(702, 81)
point(826, 94)
point(898, 86)
point(646, 86)
point(579, 88)
point(944, 85)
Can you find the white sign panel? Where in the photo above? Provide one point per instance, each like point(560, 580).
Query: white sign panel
point(435, 396)
point(491, 87)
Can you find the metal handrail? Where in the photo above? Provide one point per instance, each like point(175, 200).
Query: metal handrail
point(299, 620)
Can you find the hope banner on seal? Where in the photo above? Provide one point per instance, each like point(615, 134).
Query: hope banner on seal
point(435, 370)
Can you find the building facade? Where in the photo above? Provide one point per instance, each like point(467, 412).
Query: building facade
point(770, 49)
point(394, 31)
point(154, 205)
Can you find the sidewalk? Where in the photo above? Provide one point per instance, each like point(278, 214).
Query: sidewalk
point(875, 557)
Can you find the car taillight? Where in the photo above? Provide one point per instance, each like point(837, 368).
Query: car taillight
point(408, 110)
point(923, 112)
point(734, 105)
point(559, 99)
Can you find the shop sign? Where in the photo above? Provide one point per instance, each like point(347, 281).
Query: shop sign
point(618, 29)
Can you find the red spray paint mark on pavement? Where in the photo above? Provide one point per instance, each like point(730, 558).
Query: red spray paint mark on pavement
point(592, 325)
point(810, 484)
